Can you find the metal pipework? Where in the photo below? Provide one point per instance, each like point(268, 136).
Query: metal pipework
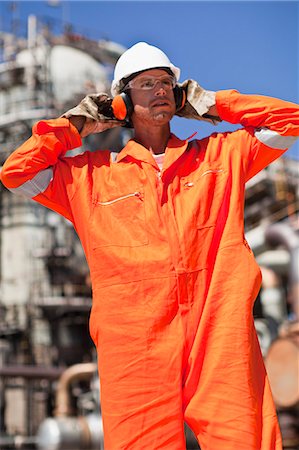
point(65, 431)
point(282, 234)
point(282, 367)
point(71, 433)
point(76, 372)
point(272, 296)
point(30, 372)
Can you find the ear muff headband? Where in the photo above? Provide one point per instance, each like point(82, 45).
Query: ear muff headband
point(122, 105)
point(180, 97)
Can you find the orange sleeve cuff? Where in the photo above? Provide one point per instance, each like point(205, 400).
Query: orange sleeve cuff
point(223, 103)
point(64, 130)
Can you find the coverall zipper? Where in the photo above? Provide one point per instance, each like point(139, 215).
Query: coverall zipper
point(191, 183)
point(133, 194)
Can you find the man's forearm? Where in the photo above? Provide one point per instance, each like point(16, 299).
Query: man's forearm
point(78, 122)
point(213, 111)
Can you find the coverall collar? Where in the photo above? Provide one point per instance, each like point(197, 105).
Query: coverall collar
point(175, 148)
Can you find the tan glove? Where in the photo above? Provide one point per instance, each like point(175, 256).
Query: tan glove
point(198, 102)
point(98, 114)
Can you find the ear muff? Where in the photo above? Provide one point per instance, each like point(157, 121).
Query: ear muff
point(122, 106)
point(180, 97)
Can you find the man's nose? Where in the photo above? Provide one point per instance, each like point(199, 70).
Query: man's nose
point(160, 90)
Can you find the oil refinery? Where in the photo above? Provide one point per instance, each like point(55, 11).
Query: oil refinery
point(49, 389)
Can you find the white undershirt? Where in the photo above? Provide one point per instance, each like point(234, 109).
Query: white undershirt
point(159, 159)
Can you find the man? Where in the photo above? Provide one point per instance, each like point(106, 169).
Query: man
point(173, 278)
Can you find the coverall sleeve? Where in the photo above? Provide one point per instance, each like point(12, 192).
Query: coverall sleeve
point(38, 168)
point(271, 126)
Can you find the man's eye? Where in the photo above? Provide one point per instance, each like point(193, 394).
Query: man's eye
point(147, 84)
point(167, 83)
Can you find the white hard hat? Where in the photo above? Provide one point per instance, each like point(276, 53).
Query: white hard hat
point(139, 57)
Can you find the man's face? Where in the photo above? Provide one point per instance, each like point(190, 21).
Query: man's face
point(155, 106)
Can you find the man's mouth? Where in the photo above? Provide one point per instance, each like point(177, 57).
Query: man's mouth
point(161, 103)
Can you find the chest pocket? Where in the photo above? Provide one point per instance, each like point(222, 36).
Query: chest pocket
point(203, 193)
point(119, 220)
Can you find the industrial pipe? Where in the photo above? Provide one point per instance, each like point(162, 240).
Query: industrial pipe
point(283, 234)
point(65, 432)
point(282, 368)
point(71, 433)
point(76, 372)
point(272, 296)
point(32, 372)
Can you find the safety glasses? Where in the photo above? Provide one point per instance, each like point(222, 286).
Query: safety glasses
point(145, 83)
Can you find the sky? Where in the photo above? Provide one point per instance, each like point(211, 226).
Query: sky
point(251, 46)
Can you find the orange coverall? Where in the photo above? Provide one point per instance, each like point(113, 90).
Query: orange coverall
point(173, 278)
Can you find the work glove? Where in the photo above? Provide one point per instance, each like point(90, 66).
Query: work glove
point(198, 102)
point(98, 114)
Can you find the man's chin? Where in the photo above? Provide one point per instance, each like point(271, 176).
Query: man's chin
point(162, 117)
point(154, 118)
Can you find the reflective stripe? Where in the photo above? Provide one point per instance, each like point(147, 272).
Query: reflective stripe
point(38, 184)
point(273, 139)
